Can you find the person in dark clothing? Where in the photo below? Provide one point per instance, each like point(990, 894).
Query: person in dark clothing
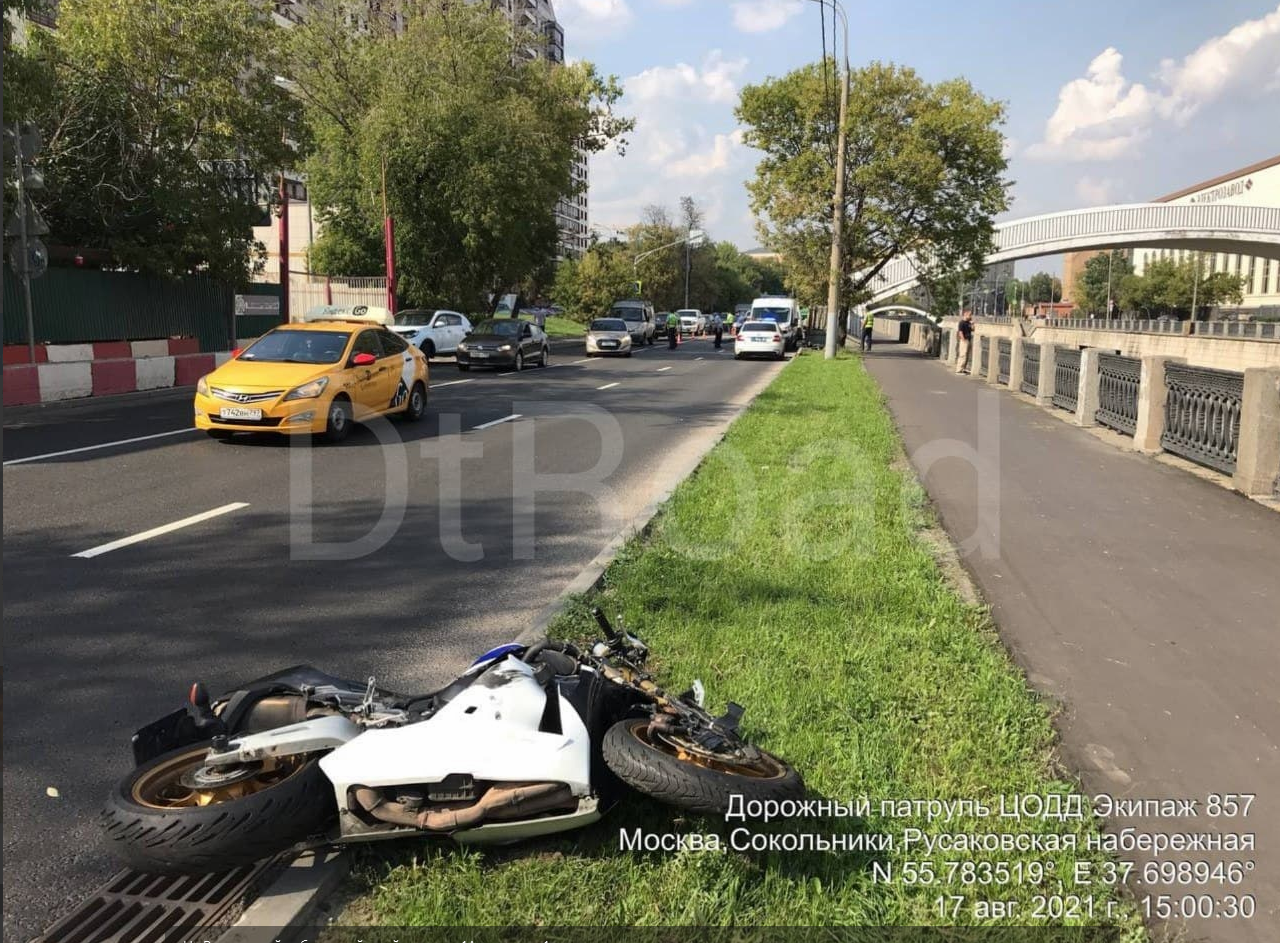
point(965, 352)
point(717, 325)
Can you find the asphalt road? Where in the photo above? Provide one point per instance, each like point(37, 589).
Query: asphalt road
point(1141, 598)
point(445, 552)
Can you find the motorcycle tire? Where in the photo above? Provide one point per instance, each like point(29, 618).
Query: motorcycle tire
point(657, 773)
point(198, 839)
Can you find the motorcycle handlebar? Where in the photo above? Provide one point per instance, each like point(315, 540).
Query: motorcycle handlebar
point(605, 627)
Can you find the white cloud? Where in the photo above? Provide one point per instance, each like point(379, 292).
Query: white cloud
point(706, 163)
point(764, 16)
point(586, 20)
point(715, 82)
point(1009, 147)
point(1104, 116)
point(1247, 57)
point(681, 145)
point(1101, 116)
point(1095, 192)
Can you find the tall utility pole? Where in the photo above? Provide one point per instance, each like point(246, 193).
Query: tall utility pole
point(389, 240)
point(1195, 287)
point(1111, 254)
point(837, 203)
point(28, 257)
point(284, 254)
point(686, 269)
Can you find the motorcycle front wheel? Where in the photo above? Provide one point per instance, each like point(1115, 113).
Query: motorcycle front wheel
point(690, 780)
point(174, 815)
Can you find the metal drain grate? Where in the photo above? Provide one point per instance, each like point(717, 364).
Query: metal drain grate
point(134, 907)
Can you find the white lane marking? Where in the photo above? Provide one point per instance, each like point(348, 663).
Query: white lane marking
point(453, 382)
point(163, 529)
point(661, 369)
point(699, 358)
point(584, 360)
point(607, 386)
point(91, 448)
point(486, 425)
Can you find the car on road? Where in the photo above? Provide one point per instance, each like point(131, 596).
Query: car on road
point(504, 342)
point(433, 332)
point(338, 366)
point(759, 339)
point(609, 336)
point(639, 317)
point(783, 311)
point(691, 321)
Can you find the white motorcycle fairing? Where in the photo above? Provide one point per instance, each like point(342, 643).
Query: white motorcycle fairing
point(489, 731)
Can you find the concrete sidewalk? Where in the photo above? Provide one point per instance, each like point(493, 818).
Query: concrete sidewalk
point(1145, 600)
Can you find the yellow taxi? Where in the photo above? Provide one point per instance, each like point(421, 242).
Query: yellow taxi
point(337, 366)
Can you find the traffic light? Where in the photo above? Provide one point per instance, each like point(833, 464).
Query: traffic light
point(638, 283)
point(28, 255)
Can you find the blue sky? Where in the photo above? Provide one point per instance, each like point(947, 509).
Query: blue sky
point(1107, 101)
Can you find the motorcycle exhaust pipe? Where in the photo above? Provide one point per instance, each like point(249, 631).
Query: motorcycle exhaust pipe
point(499, 802)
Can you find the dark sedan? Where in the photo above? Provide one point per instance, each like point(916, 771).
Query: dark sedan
point(504, 343)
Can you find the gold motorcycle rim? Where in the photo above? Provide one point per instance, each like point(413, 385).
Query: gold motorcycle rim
point(765, 767)
point(162, 787)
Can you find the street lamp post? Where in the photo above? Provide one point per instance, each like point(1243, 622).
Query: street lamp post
point(692, 237)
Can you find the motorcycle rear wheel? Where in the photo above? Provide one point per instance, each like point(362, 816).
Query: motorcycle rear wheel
point(699, 784)
point(157, 822)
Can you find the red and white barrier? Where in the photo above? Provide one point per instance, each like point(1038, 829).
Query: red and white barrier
point(75, 371)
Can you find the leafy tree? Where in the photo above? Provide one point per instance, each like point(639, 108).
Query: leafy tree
point(1100, 271)
point(476, 143)
point(924, 169)
point(720, 275)
point(1168, 286)
point(140, 100)
point(1041, 287)
point(587, 287)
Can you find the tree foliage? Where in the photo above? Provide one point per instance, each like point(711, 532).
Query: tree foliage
point(134, 101)
point(477, 145)
point(1169, 286)
point(720, 276)
point(924, 168)
point(1043, 287)
point(1100, 280)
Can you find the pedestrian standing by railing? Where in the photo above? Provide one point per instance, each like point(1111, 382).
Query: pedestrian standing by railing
point(965, 351)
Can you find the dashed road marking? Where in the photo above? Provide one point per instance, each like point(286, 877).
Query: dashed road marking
point(495, 422)
point(157, 531)
point(91, 448)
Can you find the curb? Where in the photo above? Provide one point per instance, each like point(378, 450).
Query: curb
point(591, 576)
point(291, 901)
point(295, 896)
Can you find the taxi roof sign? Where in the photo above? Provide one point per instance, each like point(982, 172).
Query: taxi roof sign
point(371, 314)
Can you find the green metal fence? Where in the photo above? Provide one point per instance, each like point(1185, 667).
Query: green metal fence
point(73, 306)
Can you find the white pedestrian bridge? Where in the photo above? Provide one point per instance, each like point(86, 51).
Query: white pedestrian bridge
point(1247, 230)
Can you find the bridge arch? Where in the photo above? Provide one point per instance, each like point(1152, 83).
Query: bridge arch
point(1247, 230)
point(885, 309)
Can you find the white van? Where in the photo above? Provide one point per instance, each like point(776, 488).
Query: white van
point(783, 311)
point(639, 317)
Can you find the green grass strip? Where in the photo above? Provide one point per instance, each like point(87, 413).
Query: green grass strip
point(791, 575)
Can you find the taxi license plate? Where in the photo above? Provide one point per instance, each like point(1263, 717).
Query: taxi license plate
point(479, 354)
point(608, 344)
point(239, 412)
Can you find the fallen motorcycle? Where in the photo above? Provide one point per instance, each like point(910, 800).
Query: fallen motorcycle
point(530, 740)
